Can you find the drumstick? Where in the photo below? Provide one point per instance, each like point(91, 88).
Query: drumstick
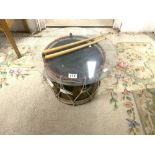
point(50, 56)
point(69, 45)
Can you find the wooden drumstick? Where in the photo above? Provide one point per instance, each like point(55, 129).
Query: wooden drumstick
point(69, 45)
point(50, 56)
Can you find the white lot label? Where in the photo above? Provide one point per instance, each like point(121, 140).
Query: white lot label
point(72, 76)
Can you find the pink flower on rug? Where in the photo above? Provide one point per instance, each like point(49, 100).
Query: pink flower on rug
point(122, 65)
point(18, 71)
point(126, 92)
point(128, 104)
point(2, 80)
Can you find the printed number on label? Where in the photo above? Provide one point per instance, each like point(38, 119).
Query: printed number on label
point(72, 76)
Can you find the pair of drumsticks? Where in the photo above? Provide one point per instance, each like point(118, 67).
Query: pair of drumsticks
point(89, 41)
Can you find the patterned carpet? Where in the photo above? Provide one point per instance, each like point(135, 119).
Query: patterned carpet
point(145, 100)
point(11, 68)
point(131, 83)
point(135, 74)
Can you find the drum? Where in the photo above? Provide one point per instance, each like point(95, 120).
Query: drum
point(75, 77)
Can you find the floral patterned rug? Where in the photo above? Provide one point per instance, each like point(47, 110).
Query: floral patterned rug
point(134, 75)
point(12, 68)
point(131, 83)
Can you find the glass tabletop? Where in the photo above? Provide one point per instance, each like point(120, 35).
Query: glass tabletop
point(81, 67)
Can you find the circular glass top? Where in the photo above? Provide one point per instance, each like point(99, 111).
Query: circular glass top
point(85, 66)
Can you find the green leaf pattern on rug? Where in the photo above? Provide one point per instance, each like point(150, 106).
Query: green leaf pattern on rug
point(114, 99)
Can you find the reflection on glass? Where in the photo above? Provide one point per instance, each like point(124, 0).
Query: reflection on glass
point(105, 69)
point(91, 68)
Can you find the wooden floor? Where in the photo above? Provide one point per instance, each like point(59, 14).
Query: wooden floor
point(79, 22)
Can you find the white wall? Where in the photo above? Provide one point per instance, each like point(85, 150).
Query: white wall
point(137, 25)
